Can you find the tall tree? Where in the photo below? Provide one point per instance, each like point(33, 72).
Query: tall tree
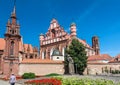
point(77, 51)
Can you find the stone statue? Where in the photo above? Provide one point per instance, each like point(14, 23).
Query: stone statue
point(71, 65)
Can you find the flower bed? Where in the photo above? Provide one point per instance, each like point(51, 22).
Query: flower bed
point(50, 81)
point(84, 81)
point(60, 80)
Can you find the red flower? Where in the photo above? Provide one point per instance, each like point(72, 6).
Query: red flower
point(50, 81)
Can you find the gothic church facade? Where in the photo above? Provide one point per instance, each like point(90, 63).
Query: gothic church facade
point(57, 39)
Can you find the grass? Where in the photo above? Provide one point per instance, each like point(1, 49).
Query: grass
point(52, 74)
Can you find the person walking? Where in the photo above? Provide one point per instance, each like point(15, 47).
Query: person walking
point(12, 79)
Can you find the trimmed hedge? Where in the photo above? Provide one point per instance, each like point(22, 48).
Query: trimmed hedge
point(52, 74)
point(115, 72)
point(28, 75)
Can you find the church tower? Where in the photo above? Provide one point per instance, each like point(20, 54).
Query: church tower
point(73, 30)
point(95, 45)
point(12, 39)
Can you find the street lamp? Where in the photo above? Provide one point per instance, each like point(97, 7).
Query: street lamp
point(76, 68)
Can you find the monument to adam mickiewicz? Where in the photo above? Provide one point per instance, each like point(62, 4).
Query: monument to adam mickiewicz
point(71, 65)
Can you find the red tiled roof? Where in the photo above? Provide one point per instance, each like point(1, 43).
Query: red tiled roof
point(99, 57)
point(118, 56)
point(97, 63)
point(115, 59)
point(20, 46)
point(28, 46)
point(46, 61)
point(2, 44)
point(84, 43)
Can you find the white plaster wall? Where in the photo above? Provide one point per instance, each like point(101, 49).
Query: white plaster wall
point(60, 58)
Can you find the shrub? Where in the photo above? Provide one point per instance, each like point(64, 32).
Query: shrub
point(113, 72)
point(28, 75)
point(116, 71)
point(52, 74)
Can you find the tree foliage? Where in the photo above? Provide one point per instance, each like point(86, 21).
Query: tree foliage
point(77, 51)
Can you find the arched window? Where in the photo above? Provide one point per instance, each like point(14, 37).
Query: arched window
point(35, 55)
point(44, 54)
point(51, 51)
point(63, 51)
point(12, 31)
point(53, 33)
point(12, 48)
point(26, 56)
point(31, 57)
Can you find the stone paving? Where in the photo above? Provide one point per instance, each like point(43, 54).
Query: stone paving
point(6, 83)
point(107, 77)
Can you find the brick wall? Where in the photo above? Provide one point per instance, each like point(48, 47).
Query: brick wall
point(8, 69)
point(100, 68)
point(41, 69)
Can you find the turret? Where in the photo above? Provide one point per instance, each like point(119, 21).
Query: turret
point(95, 45)
point(53, 24)
point(8, 26)
point(41, 38)
point(8, 23)
point(73, 30)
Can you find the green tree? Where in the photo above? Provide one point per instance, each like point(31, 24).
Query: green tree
point(77, 51)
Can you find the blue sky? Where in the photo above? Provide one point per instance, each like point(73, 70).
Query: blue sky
point(92, 17)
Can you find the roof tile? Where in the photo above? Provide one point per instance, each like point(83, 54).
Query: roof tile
point(26, 46)
point(45, 61)
point(99, 57)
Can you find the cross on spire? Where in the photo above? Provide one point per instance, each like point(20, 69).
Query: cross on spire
point(13, 15)
point(14, 9)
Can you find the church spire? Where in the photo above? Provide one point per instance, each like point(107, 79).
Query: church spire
point(13, 15)
point(14, 10)
point(12, 24)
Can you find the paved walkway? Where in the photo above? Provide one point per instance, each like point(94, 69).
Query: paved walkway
point(6, 83)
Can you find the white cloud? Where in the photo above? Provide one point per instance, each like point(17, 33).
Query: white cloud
point(88, 11)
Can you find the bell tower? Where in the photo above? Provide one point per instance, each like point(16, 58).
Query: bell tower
point(12, 39)
point(95, 45)
point(73, 30)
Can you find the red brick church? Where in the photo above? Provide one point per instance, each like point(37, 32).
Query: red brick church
point(17, 57)
point(57, 39)
point(12, 49)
